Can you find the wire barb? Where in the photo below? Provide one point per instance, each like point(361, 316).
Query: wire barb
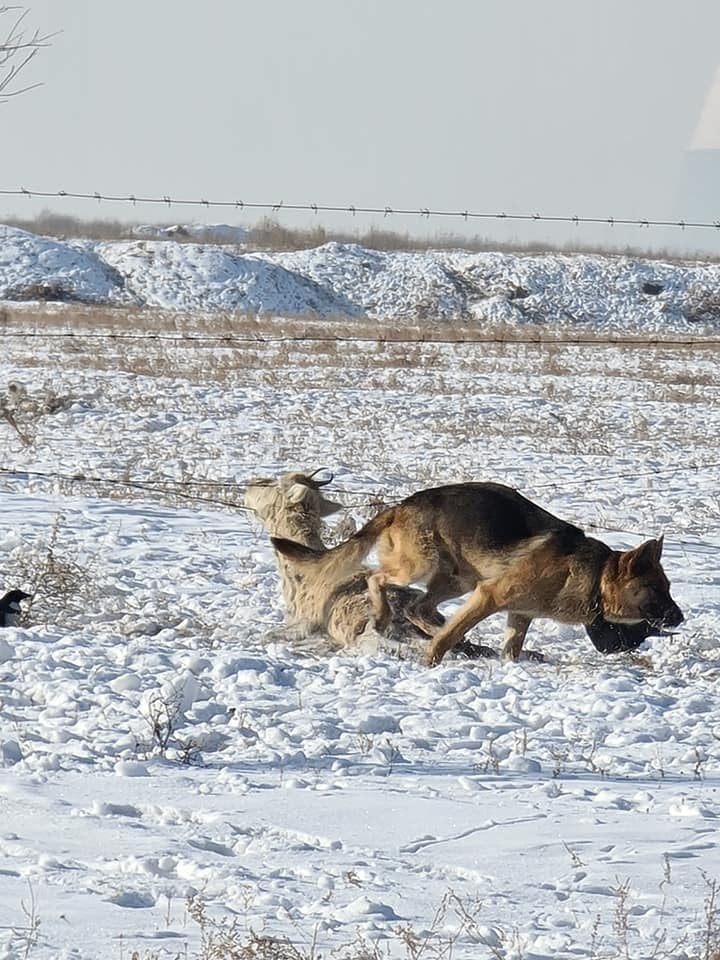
point(385, 210)
point(522, 338)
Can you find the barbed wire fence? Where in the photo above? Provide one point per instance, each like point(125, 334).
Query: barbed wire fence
point(534, 338)
point(230, 340)
point(376, 499)
point(385, 210)
point(183, 489)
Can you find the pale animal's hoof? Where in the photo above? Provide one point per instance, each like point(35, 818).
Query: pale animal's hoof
point(535, 656)
point(532, 655)
point(475, 651)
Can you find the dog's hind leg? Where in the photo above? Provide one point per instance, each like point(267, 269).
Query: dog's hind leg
point(515, 631)
point(480, 604)
point(423, 612)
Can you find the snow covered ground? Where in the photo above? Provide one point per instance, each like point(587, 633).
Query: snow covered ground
point(155, 747)
point(346, 280)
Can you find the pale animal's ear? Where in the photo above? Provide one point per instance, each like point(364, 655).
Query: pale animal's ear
point(328, 507)
point(297, 492)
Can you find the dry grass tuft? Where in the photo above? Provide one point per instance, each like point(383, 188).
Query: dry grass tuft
point(22, 410)
point(702, 305)
point(61, 588)
point(269, 234)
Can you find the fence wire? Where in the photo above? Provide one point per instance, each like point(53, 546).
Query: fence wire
point(385, 210)
point(183, 489)
point(229, 340)
point(171, 487)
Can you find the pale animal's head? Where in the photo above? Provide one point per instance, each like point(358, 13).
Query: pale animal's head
point(638, 589)
point(292, 495)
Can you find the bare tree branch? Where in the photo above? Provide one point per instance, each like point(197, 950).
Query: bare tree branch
point(18, 45)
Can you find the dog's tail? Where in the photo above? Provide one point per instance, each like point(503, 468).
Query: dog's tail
point(346, 556)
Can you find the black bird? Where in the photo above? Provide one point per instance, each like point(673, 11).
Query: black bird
point(10, 607)
point(619, 637)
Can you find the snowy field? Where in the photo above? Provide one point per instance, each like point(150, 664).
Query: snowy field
point(167, 775)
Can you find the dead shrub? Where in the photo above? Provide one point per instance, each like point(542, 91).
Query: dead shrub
point(22, 410)
point(702, 305)
point(60, 587)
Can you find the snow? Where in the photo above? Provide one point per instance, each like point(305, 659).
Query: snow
point(203, 232)
point(156, 746)
point(347, 280)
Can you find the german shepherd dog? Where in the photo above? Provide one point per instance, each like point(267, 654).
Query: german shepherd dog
point(488, 540)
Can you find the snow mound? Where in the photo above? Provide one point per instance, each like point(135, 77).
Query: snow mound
point(201, 232)
point(395, 285)
point(599, 292)
point(190, 276)
point(610, 293)
point(38, 268)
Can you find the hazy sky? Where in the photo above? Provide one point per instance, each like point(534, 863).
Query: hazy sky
point(549, 106)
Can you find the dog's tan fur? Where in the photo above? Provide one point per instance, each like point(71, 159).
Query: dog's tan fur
point(511, 556)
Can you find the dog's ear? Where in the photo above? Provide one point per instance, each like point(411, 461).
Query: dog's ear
point(646, 555)
point(652, 549)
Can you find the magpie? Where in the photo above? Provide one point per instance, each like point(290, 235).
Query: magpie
point(10, 607)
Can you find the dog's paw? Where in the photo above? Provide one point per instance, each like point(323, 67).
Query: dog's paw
point(434, 656)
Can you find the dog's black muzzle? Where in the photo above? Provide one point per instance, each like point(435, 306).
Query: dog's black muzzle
point(673, 617)
point(666, 617)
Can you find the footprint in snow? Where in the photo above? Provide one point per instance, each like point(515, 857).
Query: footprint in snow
point(362, 908)
point(429, 841)
point(133, 899)
point(115, 810)
point(211, 846)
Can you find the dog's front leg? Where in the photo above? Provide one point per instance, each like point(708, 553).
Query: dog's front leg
point(480, 604)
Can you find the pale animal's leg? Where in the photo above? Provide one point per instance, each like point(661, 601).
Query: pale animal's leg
point(376, 589)
point(515, 630)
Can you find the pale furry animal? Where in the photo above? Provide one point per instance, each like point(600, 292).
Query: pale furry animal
point(293, 507)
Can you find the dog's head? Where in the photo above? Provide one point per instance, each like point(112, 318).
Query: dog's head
point(635, 589)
